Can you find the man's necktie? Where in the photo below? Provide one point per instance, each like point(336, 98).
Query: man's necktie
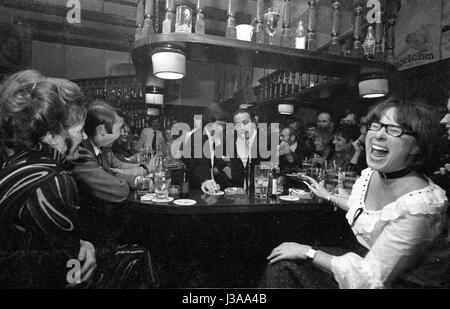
point(154, 141)
point(100, 160)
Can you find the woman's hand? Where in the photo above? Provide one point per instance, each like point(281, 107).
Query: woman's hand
point(288, 251)
point(316, 188)
point(87, 258)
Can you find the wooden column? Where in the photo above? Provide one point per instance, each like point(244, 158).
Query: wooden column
point(286, 35)
point(335, 47)
point(139, 20)
point(259, 29)
point(379, 33)
point(231, 22)
point(312, 24)
point(392, 9)
point(357, 33)
point(148, 25)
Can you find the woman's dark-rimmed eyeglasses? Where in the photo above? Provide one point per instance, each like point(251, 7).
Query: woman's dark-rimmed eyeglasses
point(391, 129)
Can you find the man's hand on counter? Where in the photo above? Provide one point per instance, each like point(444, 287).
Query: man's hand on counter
point(210, 186)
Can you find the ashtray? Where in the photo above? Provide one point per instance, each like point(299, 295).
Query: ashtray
point(300, 193)
point(234, 191)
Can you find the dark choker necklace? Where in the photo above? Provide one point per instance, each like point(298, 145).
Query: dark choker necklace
point(396, 174)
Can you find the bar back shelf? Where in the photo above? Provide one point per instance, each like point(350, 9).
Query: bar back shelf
point(214, 49)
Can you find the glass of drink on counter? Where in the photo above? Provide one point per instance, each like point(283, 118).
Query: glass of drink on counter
point(143, 184)
point(261, 181)
point(162, 185)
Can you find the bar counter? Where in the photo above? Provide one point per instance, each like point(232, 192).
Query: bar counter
point(223, 204)
point(222, 241)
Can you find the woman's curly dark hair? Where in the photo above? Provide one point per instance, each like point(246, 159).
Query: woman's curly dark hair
point(32, 106)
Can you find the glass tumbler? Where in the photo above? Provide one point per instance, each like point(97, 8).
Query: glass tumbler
point(183, 19)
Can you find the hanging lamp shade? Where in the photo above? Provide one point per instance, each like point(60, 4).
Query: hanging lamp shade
point(168, 62)
point(373, 88)
point(286, 109)
point(373, 83)
point(154, 95)
point(153, 111)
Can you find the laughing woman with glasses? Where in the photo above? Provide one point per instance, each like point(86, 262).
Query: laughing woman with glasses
point(394, 210)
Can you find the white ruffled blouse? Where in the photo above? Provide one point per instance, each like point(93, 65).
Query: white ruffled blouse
point(404, 238)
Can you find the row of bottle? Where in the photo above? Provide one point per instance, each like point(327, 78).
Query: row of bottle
point(182, 21)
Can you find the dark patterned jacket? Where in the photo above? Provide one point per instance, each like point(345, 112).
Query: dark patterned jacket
point(38, 214)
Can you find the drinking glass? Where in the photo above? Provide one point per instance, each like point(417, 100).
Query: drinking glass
point(261, 181)
point(271, 18)
point(144, 155)
point(143, 184)
point(349, 179)
point(331, 176)
point(162, 185)
point(174, 191)
point(183, 22)
point(308, 166)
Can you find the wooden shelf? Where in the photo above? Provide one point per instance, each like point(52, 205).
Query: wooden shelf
point(214, 49)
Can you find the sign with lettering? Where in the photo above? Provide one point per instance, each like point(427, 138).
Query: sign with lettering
point(417, 33)
point(74, 273)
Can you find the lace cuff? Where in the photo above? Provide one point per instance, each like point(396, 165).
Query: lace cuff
point(352, 272)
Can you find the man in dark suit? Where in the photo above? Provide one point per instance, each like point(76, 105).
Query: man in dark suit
point(243, 151)
point(98, 171)
point(204, 149)
point(103, 180)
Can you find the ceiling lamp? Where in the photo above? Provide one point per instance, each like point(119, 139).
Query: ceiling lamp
point(168, 62)
point(286, 109)
point(373, 84)
point(152, 111)
point(154, 95)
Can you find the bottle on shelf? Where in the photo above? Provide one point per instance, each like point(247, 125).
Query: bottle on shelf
point(168, 25)
point(369, 44)
point(200, 20)
point(300, 36)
